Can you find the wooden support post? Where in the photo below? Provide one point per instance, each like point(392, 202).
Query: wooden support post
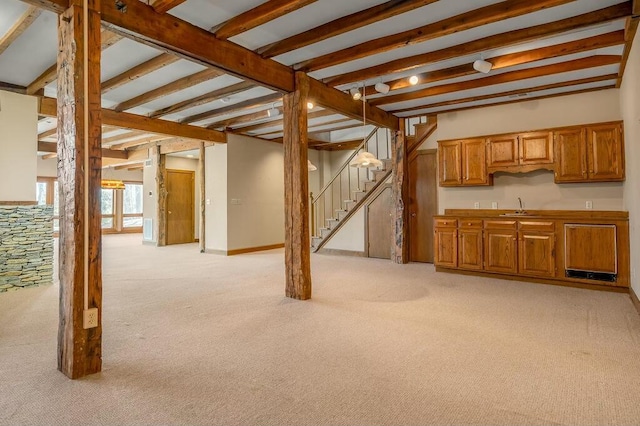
point(79, 173)
point(400, 193)
point(297, 244)
point(161, 190)
point(203, 201)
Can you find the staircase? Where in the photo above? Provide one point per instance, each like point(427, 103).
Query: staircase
point(349, 189)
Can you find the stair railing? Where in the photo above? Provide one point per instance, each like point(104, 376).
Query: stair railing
point(345, 182)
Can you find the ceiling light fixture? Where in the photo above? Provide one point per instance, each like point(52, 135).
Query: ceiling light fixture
point(273, 112)
point(482, 66)
point(413, 80)
point(365, 159)
point(225, 100)
point(382, 88)
point(355, 93)
point(310, 105)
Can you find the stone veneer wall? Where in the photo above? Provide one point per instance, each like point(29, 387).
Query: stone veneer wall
point(26, 246)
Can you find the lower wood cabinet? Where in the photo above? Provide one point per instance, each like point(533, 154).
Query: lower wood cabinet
point(593, 251)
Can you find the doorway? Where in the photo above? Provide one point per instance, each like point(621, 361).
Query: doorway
point(180, 206)
point(379, 225)
point(423, 204)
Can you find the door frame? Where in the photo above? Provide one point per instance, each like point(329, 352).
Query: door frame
point(412, 157)
point(379, 190)
point(166, 202)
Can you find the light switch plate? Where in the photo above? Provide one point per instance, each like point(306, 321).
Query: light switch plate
point(589, 205)
point(494, 205)
point(476, 205)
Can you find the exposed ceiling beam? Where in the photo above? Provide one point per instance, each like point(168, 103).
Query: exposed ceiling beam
point(122, 136)
point(163, 6)
point(278, 121)
point(240, 106)
point(167, 89)
point(618, 11)
point(180, 145)
point(13, 88)
point(562, 67)
point(48, 133)
point(343, 103)
point(107, 153)
point(21, 25)
point(605, 40)
point(465, 21)
point(630, 30)
point(518, 92)
point(50, 155)
point(48, 107)
point(342, 25)
point(204, 99)
point(338, 146)
point(140, 70)
point(50, 74)
point(267, 11)
point(636, 8)
point(140, 141)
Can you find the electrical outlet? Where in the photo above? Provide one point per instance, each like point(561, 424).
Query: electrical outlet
point(494, 205)
point(589, 205)
point(476, 205)
point(90, 318)
point(208, 202)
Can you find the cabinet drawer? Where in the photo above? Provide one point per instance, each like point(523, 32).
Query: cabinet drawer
point(500, 224)
point(532, 225)
point(470, 223)
point(446, 223)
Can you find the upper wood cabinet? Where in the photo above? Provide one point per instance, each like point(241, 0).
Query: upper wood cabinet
point(592, 153)
point(463, 162)
point(516, 150)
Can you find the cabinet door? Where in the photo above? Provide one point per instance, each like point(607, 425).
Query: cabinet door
point(503, 151)
point(470, 249)
point(500, 251)
point(590, 248)
point(450, 159)
point(536, 254)
point(570, 153)
point(536, 148)
point(474, 162)
point(446, 247)
point(605, 152)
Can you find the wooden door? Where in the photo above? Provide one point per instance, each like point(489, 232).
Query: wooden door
point(180, 205)
point(500, 247)
point(570, 154)
point(450, 163)
point(536, 254)
point(536, 148)
point(503, 151)
point(423, 205)
point(446, 246)
point(470, 244)
point(379, 229)
point(605, 152)
point(474, 162)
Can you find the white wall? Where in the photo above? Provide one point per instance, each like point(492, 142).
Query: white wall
point(537, 189)
point(18, 146)
point(255, 177)
point(216, 197)
point(351, 236)
point(630, 104)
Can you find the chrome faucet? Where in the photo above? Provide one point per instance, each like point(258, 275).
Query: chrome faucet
point(520, 202)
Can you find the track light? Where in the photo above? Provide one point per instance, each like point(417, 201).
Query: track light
point(273, 112)
point(310, 105)
point(413, 80)
point(382, 88)
point(482, 66)
point(355, 93)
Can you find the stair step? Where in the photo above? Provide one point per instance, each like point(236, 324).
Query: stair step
point(369, 184)
point(350, 204)
point(387, 163)
point(359, 195)
point(331, 223)
point(315, 241)
point(324, 232)
point(340, 214)
point(379, 174)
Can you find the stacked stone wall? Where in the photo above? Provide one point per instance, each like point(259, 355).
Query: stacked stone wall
point(26, 246)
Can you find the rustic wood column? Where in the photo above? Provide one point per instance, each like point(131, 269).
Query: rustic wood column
point(79, 174)
point(161, 190)
point(297, 245)
point(400, 193)
point(203, 201)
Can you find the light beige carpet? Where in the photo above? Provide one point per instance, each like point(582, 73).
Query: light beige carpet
point(204, 339)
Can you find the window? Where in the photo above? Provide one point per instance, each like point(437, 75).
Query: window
point(47, 194)
point(132, 205)
point(107, 208)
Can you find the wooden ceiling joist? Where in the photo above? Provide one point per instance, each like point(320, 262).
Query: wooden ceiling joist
point(630, 30)
point(140, 141)
point(204, 99)
point(21, 25)
point(229, 109)
point(267, 11)
point(618, 11)
point(468, 20)
point(122, 137)
point(278, 121)
point(167, 89)
point(138, 71)
point(163, 6)
point(591, 43)
point(107, 153)
point(518, 92)
point(9, 87)
point(342, 25)
point(508, 77)
point(48, 107)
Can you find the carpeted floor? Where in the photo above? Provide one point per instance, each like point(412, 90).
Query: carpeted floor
point(206, 339)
